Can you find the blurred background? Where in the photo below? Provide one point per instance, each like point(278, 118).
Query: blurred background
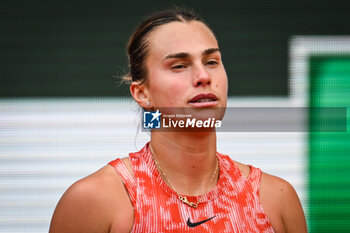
point(64, 113)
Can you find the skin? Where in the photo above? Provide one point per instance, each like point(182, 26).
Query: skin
point(100, 203)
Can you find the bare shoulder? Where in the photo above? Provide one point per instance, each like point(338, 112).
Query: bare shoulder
point(282, 205)
point(275, 184)
point(97, 203)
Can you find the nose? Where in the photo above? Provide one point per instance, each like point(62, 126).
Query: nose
point(201, 76)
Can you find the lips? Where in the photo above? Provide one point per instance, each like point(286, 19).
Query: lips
point(203, 98)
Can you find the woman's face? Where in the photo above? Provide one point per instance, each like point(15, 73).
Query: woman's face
point(185, 67)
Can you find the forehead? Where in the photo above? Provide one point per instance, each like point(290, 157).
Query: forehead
point(190, 37)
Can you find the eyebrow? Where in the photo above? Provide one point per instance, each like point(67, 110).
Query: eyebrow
point(186, 55)
point(210, 51)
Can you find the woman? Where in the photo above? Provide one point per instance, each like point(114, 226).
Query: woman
point(178, 182)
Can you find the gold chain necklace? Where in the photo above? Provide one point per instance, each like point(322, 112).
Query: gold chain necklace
point(181, 197)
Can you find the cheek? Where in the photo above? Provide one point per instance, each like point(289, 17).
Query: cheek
point(221, 80)
point(168, 93)
point(174, 93)
point(224, 79)
point(226, 84)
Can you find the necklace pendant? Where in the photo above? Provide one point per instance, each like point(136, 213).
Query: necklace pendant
point(189, 203)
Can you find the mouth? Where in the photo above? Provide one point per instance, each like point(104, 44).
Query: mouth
point(204, 98)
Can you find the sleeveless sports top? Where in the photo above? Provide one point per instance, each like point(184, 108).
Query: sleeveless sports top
point(232, 206)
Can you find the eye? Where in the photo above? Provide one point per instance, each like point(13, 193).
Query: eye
point(212, 63)
point(177, 67)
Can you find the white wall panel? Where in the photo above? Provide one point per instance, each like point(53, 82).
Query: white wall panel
point(47, 144)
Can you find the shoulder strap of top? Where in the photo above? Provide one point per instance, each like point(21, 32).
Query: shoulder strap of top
point(128, 180)
point(254, 178)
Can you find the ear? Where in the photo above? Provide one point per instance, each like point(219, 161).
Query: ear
point(140, 94)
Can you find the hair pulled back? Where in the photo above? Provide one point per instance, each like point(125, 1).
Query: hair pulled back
point(137, 46)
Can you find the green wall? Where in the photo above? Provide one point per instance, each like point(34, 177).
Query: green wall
point(329, 153)
point(73, 48)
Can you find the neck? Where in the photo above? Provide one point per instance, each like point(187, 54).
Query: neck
point(188, 159)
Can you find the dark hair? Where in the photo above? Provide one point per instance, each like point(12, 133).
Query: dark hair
point(137, 47)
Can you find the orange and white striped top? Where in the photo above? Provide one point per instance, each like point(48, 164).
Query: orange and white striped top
point(232, 206)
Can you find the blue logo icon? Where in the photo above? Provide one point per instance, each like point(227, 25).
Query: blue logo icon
point(151, 120)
